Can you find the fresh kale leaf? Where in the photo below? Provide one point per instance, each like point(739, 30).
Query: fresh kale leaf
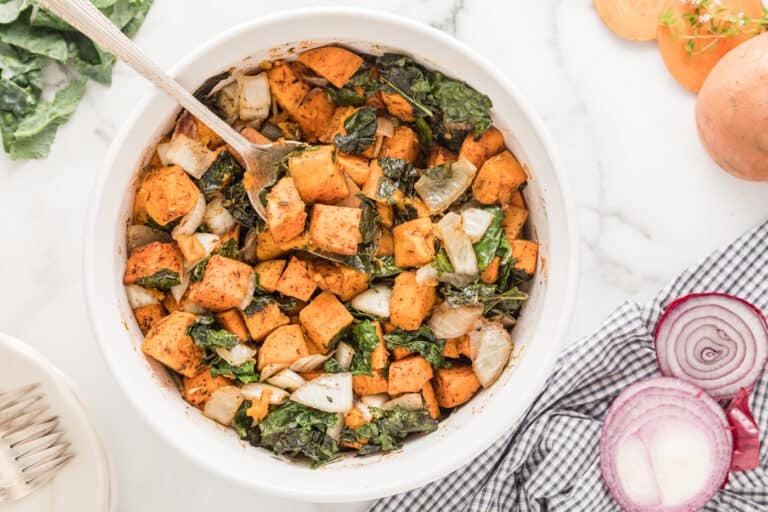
point(228, 249)
point(163, 279)
point(487, 247)
point(237, 203)
point(422, 341)
point(221, 173)
point(389, 428)
point(245, 373)
point(244, 425)
point(205, 335)
point(364, 339)
point(360, 128)
point(294, 429)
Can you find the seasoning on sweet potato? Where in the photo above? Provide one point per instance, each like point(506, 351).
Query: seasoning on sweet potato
point(317, 178)
point(451, 347)
point(516, 199)
point(455, 385)
point(283, 346)
point(414, 243)
point(262, 322)
point(399, 353)
point(354, 418)
point(146, 261)
point(409, 375)
point(430, 400)
point(336, 125)
point(439, 155)
point(287, 89)
point(380, 354)
point(296, 280)
point(411, 302)
point(191, 248)
point(335, 229)
point(478, 150)
point(398, 106)
point(324, 318)
point(232, 321)
point(168, 194)
point(356, 167)
point(525, 254)
point(635, 20)
point(498, 178)
point(340, 280)
point(369, 384)
point(198, 389)
point(491, 273)
point(404, 143)
point(313, 114)
point(149, 315)
point(514, 220)
point(386, 243)
point(268, 274)
point(168, 342)
point(266, 246)
point(224, 285)
point(335, 64)
point(285, 211)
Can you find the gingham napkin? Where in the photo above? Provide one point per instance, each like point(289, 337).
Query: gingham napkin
point(549, 460)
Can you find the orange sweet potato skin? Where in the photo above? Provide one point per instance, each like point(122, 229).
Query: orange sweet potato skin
point(455, 386)
point(631, 19)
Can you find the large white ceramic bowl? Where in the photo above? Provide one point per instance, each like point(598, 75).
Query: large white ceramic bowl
point(461, 436)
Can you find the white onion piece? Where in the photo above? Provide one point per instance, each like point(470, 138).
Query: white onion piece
point(447, 322)
point(162, 153)
point(344, 354)
point(374, 301)
point(217, 217)
point(223, 404)
point(476, 222)
point(193, 307)
point(490, 347)
point(715, 341)
point(377, 145)
point(427, 275)
point(385, 126)
point(457, 280)
point(139, 296)
point(457, 244)
point(254, 96)
point(227, 99)
point(248, 250)
point(190, 155)
point(254, 390)
point(192, 220)
point(309, 363)
point(665, 446)
point(334, 432)
point(375, 400)
point(365, 411)
point(287, 379)
point(236, 355)
point(180, 289)
point(328, 393)
point(248, 297)
point(408, 401)
point(139, 235)
point(270, 370)
point(438, 193)
point(209, 241)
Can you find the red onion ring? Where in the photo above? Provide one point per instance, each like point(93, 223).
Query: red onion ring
point(716, 341)
point(746, 434)
point(653, 429)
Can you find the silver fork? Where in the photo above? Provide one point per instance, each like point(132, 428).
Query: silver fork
point(32, 449)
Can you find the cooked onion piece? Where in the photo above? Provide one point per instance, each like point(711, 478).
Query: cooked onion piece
point(440, 187)
point(217, 218)
point(254, 390)
point(476, 222)
point(328, 393)
point(374, 301)
point(287, 379)
point(139, 296)
point(457, 244)
point(236, 355)
point(447, 322)
point(254, 97)
point(139, 235)
point(190, 155)
point(223, 404)
point(491, 347)
point(192, 220)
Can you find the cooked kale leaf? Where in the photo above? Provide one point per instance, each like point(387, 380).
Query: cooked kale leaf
point(487, 247)
point(237, 203)
point(345, 97)
point(461, 105)
point(221, 173)
point(506, 302)
point(152, 223)
point(332, 366)
point(422, 341)
point(245, 373)
point(244, 425)
point(205, 335)
point(364, 340)
point(360, 128)
point(402, 173)
point(294, 429)
point(163, 279)
point(228, 249)
point(388, 429)
point(442, 264)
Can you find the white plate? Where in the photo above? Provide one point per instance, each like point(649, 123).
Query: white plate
point(85, 483)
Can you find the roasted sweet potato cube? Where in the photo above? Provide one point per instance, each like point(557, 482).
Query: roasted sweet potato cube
point(451, 347)
point(285, 211)
point(455, 385)
point(479, 149)
point(296, 280)
point(336, 125)
point(147, 260)
point(525, 254)
point(266, 246)
point(261, 323)
point(491, 273)
point(268, 274)
point(335, 229)
point(439, 155)
point(356, 167)
point(411, 302)
point(312, 374)
point(335, 64)
point(338, 279)
point(498, 178)
point(430, 400)
point(386, 243)
point(314, 113)
point(371, 185)
point(232, 321)
point(399, 353)
point(369, 384)
point(516, 199)
point(283, 346)
point(168, 342)
point(317, 177)
point(398, 106)
point(414, 243)
point(386, 214)
point(380, 354)
point(224, 285)
point(168, 194)
point(409, 375)
point(299, 242)
point(195, 129)
point(404, 144)
point(149, 315)
point(324, 318)
point(354, 418)
point(287, 89)
point(198, 389)
point(191, 248)
point(514, 220)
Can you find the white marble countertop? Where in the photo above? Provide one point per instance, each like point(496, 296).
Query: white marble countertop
point(649, 200)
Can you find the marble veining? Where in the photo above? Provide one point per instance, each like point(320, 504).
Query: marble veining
point(649, 200)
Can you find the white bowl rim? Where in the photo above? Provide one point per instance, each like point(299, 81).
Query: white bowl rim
point(451, 460)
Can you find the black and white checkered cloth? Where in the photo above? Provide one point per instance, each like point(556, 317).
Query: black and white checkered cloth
point(549, 460)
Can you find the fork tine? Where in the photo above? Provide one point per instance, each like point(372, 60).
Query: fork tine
point(31, 432)
point(22, 422)
point(13, 406)
point(33, 445)
point(17, 394)
point(34, 459)
point(13, 417)
point(47, 467)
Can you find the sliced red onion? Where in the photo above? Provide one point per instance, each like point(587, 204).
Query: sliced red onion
point(746, 434)
point(665, 447)
point(715, 341)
